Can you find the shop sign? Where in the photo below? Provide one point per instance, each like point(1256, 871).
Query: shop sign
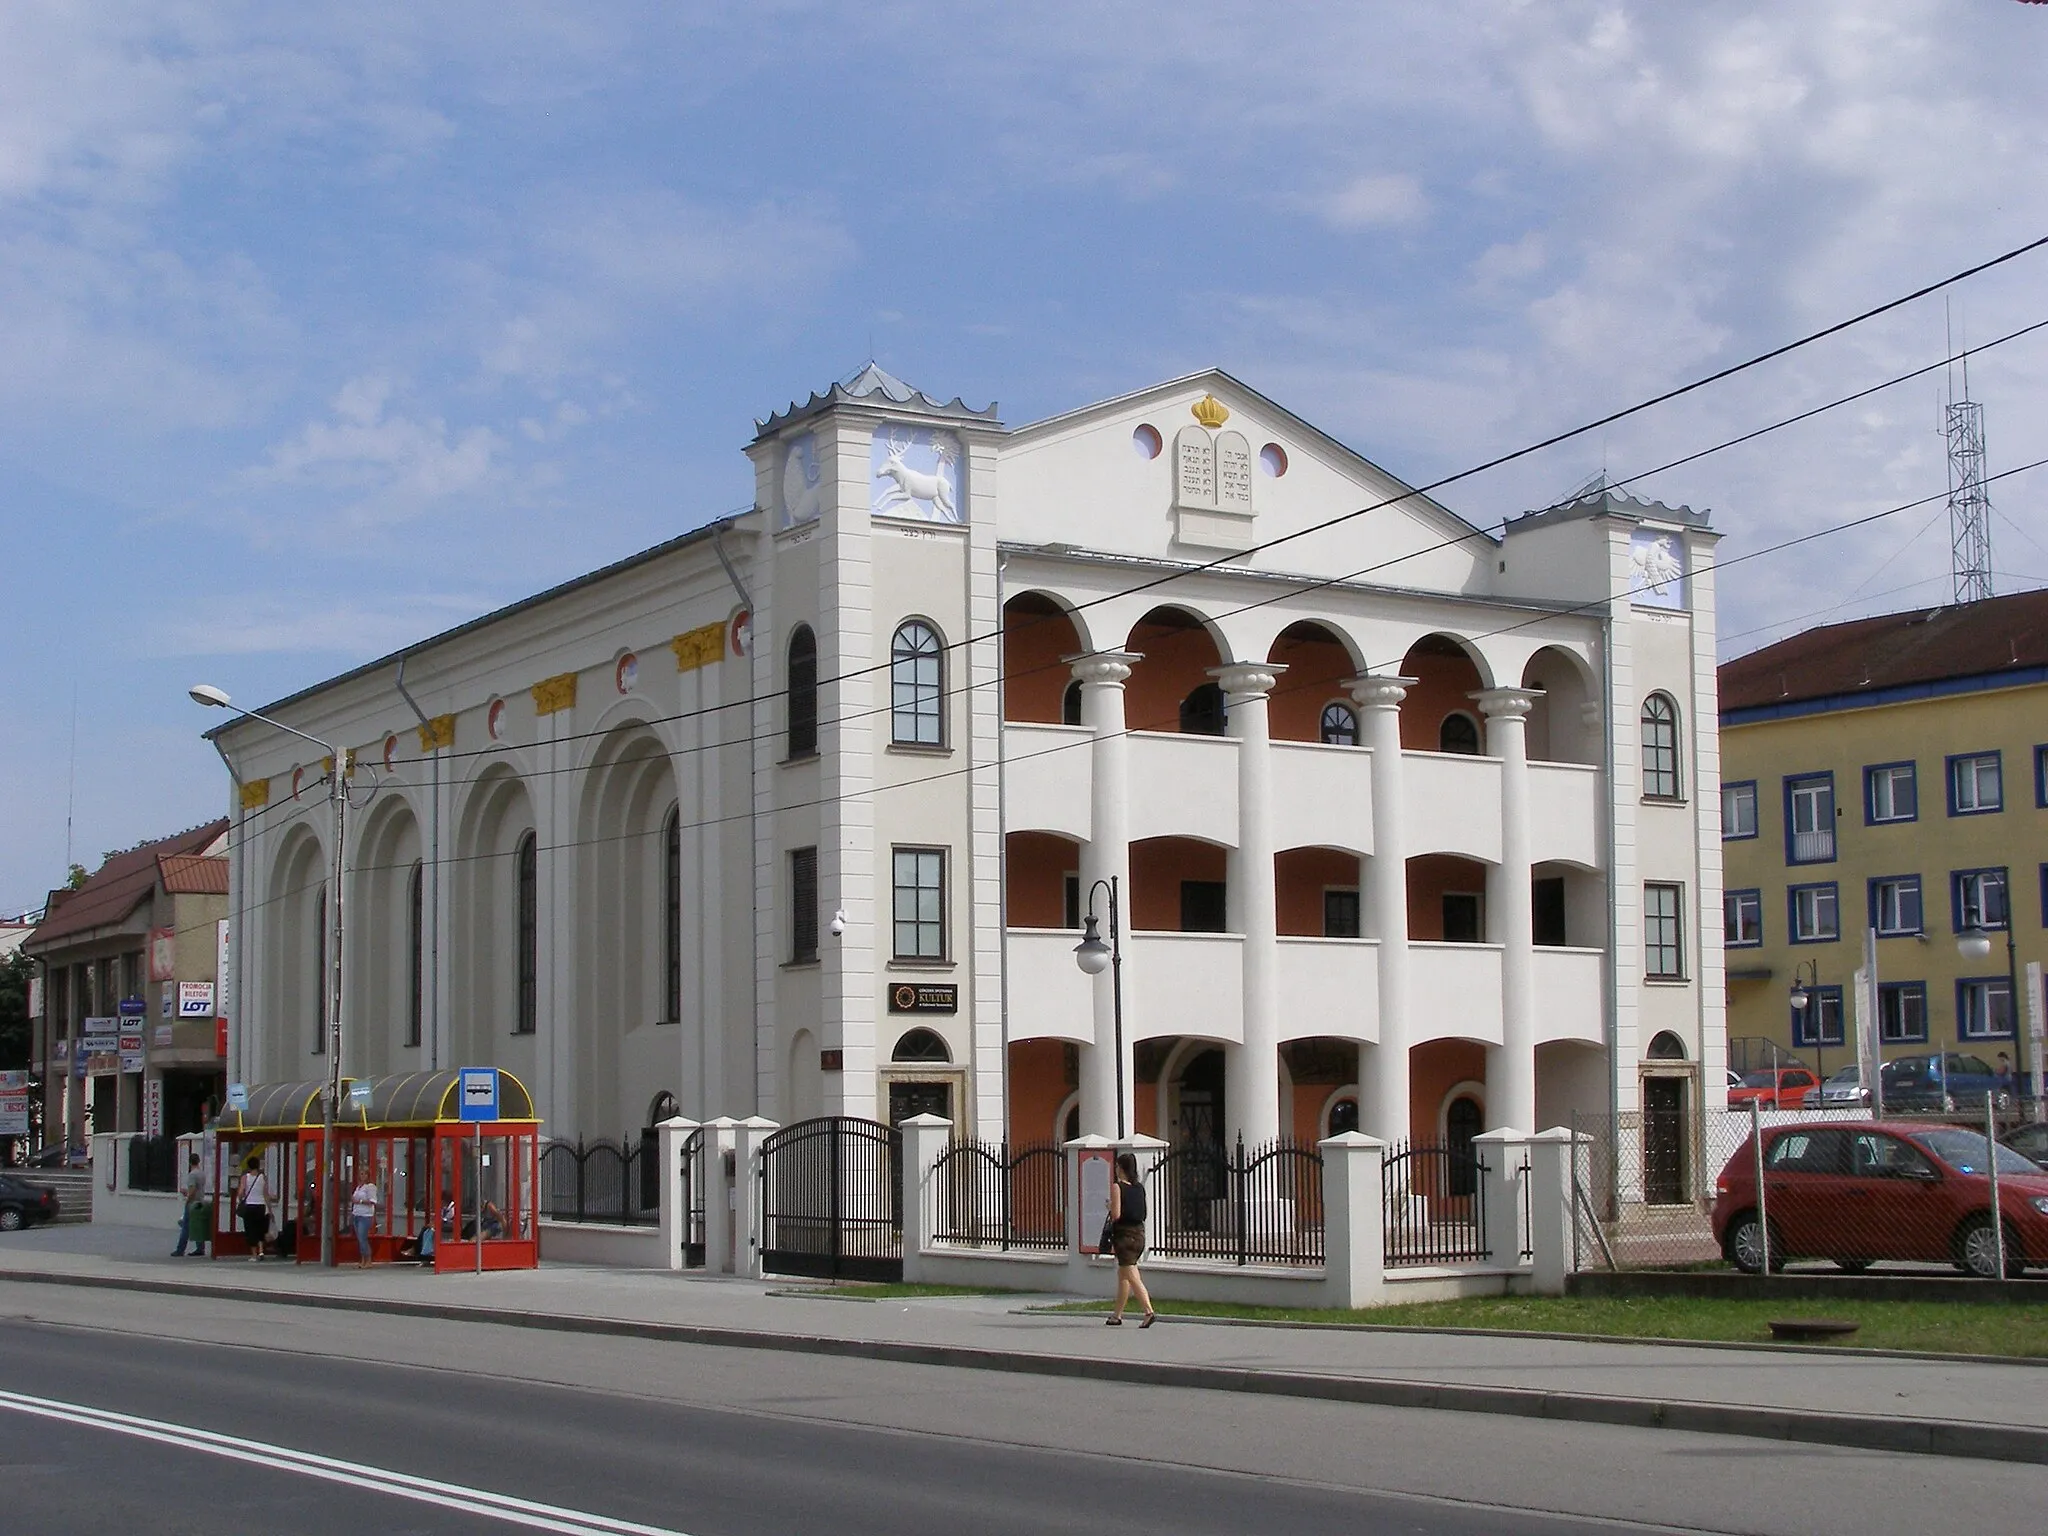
point(153, 1107)
point(13, 1114)
point(163, 954)
point(14, 1081)
point(907, 997)
point(131, 1008)
point(195, 999)
point(161, 1035)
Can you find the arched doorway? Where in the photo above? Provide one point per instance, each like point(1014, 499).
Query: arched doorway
point(1464, 1118)
point(1667, 1171)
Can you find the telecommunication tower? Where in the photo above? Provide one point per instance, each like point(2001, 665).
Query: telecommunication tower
point(1969, 508)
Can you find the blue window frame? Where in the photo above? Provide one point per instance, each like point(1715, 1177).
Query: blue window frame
point(1738, 811)
point(1902, 1012)
point(1977, 899)
point(1810, 818)
point(2041, 777)
point(1813, 914)
point(2044, 895)
point(1895, 907)
point(1976, 784)
point(1745, 919)
point(1819, 1023)
point(1983, 1008)
point(1891, 792)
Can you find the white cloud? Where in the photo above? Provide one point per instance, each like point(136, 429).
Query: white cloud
point(388, 466)
point(271, 623)
point(1373, 202)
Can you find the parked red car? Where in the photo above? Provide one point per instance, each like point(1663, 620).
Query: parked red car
point(1774, 1088)
point(1857, 1192)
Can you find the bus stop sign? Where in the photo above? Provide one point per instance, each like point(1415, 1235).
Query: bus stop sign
point(479, 1093)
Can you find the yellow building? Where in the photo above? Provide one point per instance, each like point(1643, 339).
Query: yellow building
point(1888, 774)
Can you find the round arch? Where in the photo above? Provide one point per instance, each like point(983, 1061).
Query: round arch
point(1040, 630)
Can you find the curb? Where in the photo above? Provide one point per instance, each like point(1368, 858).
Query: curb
point(1975, 1442)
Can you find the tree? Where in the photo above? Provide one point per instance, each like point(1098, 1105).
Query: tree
point(76, 877)
point(15, 972)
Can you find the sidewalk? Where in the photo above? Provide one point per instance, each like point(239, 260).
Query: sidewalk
point(1984, 1410)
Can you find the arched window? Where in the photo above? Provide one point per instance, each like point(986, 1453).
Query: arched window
point(1665, 1046)
point(662, 1108)
point(1201, 712)
point(921, 1045)
point(416, 946)
point(1343, 1116)
point(1660, 748)
point(1339, 727)
point(672, 915)
point(529, 937)
point(916, 684)
point(1070, 704)
point(1459, 733)
point(803, 692)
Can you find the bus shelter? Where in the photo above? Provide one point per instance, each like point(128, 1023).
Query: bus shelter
point(456, 1194)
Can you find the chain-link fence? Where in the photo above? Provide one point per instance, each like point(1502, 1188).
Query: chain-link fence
point(1771, 1188)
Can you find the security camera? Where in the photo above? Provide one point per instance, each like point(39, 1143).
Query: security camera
point(838, 922)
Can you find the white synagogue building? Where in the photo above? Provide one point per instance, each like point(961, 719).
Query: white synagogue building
point(1412, 828)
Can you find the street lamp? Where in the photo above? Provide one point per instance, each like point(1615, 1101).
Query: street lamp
point(1805, 984)
point(1094, 956)
point(1974, 943)
point(215, 698)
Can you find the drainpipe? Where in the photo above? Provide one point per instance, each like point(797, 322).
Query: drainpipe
point(753, 826)
point(240, 1019)
point(1613, 1010)
point(1003, 849)
point(433, 884)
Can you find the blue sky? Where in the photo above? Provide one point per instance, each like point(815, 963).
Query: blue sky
point(322, 332)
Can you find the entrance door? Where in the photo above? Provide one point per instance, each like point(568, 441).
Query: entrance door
point(1665, 1179)
point(907, 1099)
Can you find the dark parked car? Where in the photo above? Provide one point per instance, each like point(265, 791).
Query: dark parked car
point(2030, 1141)
point(23, 1204)
point(1857, 1193)
point(1945, 1080)
point(59, 1157)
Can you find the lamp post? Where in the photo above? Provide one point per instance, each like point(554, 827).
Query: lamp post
point(1093, 956)
point(337, 795)
point(1974, 943)
point(1804, 992)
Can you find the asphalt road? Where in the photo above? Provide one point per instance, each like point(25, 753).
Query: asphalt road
point(266, 1418)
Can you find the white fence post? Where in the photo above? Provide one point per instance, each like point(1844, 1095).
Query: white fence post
point(1501, 1153)
point(1551, 1155)
point(1354, 1232)
point(746, 1189)
point(925, 1139)
point(675, 1214)
point(721, 1195)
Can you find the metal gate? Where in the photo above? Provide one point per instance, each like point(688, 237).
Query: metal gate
point(694, 1183)
point(832, 1200)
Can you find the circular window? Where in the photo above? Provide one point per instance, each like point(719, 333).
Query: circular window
point(494, 719)
point(390, 749)
point(1147, 442)
point(626, 672)
point(1273, 460)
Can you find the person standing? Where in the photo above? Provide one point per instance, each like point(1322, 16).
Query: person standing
point(362, 1215)
point(1127, 1238)
point(252, 1201)
point(193, 1217)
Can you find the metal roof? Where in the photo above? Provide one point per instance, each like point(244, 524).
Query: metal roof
point(413, 1099)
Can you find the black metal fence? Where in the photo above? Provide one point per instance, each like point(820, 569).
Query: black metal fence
point(1435, 1203)
point(1258, 1205)
point(601, 1180)
point(832, 1200)
point(696, 1179)
point(153, 1164)
point(984, 1195)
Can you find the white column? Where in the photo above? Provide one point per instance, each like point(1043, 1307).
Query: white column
point(1511, 1066)
point(746, 1193)
point(925, 1139)
point(722, 1241)
point(1252, 1069)
point(1384, 1074)
point(1105, 856)
point(1354, 1220)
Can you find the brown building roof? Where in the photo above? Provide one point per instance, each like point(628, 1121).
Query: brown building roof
point(118, 886)
point(193, 874)
point(1999, 640)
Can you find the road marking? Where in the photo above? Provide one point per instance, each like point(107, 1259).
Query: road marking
point(423, 1490)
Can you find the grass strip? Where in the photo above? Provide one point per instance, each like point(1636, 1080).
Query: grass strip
point(1934, 1327)
point(870, 1290)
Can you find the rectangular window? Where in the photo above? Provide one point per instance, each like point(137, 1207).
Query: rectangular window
point(1891, 792)
point(1464, 918)
point(1070, 891)
point(803, 904)
point(1810, 819)
point(1663, 932)
point(1204, 906)
point(1977, 899)
point(1738, 810)
point(2041, 777)
point(1546, 912)
point(1902, 1012)
point(1816, 914)
point(1819, 1023)
point(1895, 905)
point(1745, 913)
point(1340, 914)
point(1984, 1009)
point(1975, 784)
point(920, 904)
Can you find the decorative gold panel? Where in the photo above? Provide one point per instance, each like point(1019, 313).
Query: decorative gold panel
point(554, 693)
point(255, 794)
point(437, 732)
point(700, 647)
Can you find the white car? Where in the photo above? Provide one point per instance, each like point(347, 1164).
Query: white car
point(1842, 1090)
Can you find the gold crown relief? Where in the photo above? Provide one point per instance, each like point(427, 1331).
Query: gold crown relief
point(1210, 412)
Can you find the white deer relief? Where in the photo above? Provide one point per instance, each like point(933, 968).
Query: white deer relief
point(912, 489)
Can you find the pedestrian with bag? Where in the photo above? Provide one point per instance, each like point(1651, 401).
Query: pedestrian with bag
point(1127, 1238)
point(192, 1216)
point(362, 1215)
point(252, 1201)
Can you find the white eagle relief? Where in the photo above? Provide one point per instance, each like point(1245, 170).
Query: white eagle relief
point(1655, 565)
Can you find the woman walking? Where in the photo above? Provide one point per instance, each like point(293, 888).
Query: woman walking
point(1127, 1238)
point(252, 1199)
